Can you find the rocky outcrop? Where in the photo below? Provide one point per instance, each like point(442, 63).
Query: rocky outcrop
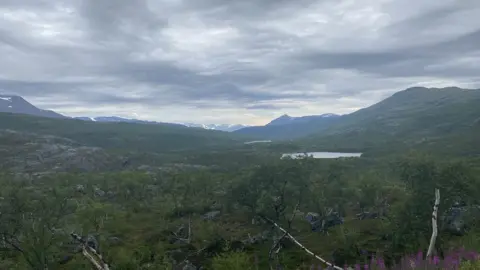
point(321, 224)
point(459, 218)
point(211, 215)
point(35, 153)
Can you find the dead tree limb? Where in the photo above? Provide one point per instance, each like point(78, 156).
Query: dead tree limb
point(300, 245)
point(86, 250)
point(434, 223)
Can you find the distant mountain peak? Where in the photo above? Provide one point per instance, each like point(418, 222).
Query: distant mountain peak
point(17, 104)
point(287, 119)
point(220, 127)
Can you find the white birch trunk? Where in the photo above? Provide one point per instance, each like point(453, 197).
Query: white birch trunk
point(434, 223)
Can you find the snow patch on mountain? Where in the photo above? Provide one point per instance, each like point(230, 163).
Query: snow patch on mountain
point(220, 127)
point(16, 104)
point(9, 99)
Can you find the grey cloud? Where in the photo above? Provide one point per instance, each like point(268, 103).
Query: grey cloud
point(237, 55)
point(120, 19)
point(263, 107)
point(428, 19)
point(38, 88)
point(246, 9)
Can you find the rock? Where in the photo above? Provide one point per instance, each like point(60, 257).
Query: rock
point(189, 266)
point(92, 242)
point(216, 206)
point(114, 241)
point(258, 220)
point(211, 215)
point(367, 215)
point(459, 218)
point(80, 188)
point(321, 224)
point(312, 217)
point(257, 239)
point(98, 192)
point(145, 168)
point(37, 153)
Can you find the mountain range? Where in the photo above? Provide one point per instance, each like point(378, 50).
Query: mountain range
point(417, 114)
point(432, 119)
point(17, 104)
point(221, 127)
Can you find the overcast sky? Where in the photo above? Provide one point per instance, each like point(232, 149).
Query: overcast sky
point(232, 61)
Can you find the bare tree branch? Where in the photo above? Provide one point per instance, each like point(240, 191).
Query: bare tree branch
point(91, 259)
point(434, 223)
point(300, 245)
point(86, 248)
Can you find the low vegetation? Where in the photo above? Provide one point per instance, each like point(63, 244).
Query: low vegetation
point(345, 211)
point(83, 195)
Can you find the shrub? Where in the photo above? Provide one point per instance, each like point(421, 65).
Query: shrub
point(232, 261)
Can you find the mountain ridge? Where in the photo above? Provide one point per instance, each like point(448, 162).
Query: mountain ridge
point(404, 105)
point(287, 127)
point(17, 104)
point(161, 137)
point(414, 112)
point(219, 127)
point(432, 119)
point(287, 119)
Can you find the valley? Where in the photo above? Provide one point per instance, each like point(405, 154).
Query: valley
point(167, 196)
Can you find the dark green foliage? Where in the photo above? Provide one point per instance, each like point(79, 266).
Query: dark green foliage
point(124, 136)
point(137, 215)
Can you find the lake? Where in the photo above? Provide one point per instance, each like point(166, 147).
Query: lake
point(252, 142)
point(321, 155)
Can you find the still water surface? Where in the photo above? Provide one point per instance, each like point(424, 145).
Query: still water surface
point(321, 155)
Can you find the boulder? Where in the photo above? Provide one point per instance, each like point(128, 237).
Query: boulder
point(459, 218)
point(321, 224)
point(211, 215)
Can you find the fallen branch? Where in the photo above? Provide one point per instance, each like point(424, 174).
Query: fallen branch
point(300, 245)
point(85, 251)
point(434, 223)
point(91, 259)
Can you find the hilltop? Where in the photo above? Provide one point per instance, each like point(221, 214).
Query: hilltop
point(17, 104)
point(445, 120)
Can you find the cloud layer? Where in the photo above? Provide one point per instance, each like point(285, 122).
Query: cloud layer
point(225, 61)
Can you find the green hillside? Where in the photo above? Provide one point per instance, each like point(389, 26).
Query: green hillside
point(122, 136)
point(442, 120)
point(295, 130)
